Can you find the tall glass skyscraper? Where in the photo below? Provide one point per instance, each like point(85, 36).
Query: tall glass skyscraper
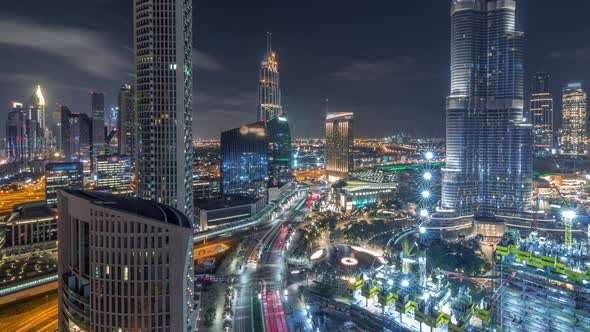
point(163, 91)
point(489, 156)
point(574, 108)
point(98, 127)
point(269, 91)
point(16, 128)
point(339, 145)
point(126, 120)
point(280, 156)
point(244, 161)
point(541, 114)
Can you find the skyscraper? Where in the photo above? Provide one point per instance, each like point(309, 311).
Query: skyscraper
point(16, 128)
point(163, 57)
point(339, 145)
point(541, 114)
point(126, 120)
point(98, 127)
point(269, 91)
point(489, 158)
point(280, 156)
point(124, 264)
point(35, 117)
point(574, 107)
point(244, 161)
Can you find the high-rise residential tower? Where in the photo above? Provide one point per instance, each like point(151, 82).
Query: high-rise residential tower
point(124, 264)
point(126, 120)
point(339, 145)
point(163, 93)
point(269, 90)
point(541, 114)
point(36, 132)
point(16, 128)
point(98, 127)
point(489, 157)
point(574, 108)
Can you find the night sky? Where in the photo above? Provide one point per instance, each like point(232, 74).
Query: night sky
point(385, 60)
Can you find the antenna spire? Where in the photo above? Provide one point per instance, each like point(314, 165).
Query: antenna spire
point(327, 105)
point(268, 42)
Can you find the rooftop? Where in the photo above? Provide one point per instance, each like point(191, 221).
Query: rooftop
point(141, 207)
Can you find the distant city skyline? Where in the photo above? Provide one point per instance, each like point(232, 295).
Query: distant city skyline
point(406, 77)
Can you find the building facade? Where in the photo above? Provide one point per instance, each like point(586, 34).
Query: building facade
point(35, 118)
point(126, 121)
point(113, 174)
point(269, 90)
point(574, 125)
point(339, 145)
point(16, 128)
point(124, 264)
point(163, 91)
point(29, 226)
point(489, 144)
point(59, 176)
point(244, 161)
point(280, 158)
point(541, 115)
point(98, 124)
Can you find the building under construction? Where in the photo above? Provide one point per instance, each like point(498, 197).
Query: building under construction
point(543, 285)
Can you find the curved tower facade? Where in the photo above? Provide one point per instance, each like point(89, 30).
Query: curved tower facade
point(269, 91)
point(163, 58)
point(489, 155)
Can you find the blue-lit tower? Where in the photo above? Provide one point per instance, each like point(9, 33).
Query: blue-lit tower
point(244, 161)
point(489, 143)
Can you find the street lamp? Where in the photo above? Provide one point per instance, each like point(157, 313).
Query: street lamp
point(422, 230)
point(405, 283)
point(426, 194)
point(429, 155)
point(427, 176)
point(423, 213)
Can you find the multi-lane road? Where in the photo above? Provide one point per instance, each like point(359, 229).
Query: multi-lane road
point(38, 314)
point(264, 277)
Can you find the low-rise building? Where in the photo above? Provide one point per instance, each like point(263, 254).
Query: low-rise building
point(29, 226)
point(213, 213)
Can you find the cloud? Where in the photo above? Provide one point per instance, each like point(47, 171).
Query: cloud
point(581, 54)
point(240, 104)
point(35, 79)
point(205, 61)
point(89, 51)
point(398, 67)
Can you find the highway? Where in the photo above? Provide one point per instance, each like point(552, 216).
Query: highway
point(263, 276)
point(34, 191)
point(38, 314)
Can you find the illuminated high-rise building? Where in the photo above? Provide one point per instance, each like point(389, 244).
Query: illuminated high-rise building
point(58, 176)
point(541, 114)
point(163, 91)
point(280, 156)
point(113, 174)
point(98, 124)
point(574, 108)
point(124, 264)
point(244, 161)
point(16, 127)
point(339, 145)
point(489, 142)
point(269, 90)
point(126, 120)
point(36, 133)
